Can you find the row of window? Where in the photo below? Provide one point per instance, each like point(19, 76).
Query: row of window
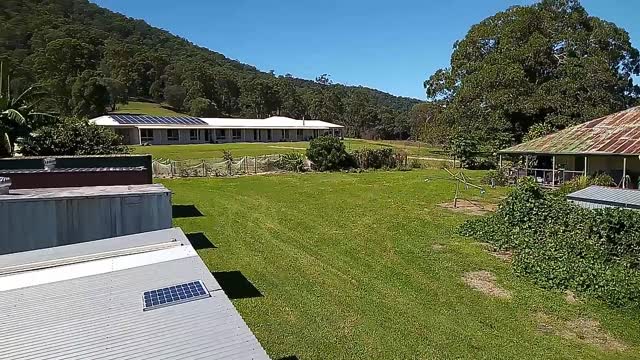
point(146, 135)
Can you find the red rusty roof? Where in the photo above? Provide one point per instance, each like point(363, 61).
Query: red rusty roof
point(615, 134)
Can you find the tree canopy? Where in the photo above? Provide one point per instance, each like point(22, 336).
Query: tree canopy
point(90, 59)
point(549, 63)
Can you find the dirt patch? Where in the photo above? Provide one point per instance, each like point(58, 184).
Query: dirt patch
point(469, 207)
point(485, 282)
point(438, 247)
point(584, 330)
point(503, 255)
point(570, 297)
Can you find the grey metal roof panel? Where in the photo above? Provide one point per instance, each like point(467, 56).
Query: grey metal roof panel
point(84, 192)
point(627, 198)
point(73, 170)
point(101, 317)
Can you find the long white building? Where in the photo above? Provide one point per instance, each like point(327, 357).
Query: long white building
point(156, 130)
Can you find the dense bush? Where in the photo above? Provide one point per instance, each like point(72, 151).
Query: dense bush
point(327, 153)
point(582, 182)
point(563, 246)
point(495, 178)
point(72, 136)
point(290, 162)
point(379, 158)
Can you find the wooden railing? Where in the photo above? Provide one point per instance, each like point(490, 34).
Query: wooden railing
point(546, 177)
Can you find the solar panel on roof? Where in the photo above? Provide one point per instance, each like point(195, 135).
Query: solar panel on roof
point(172, 295)
point(156, 120)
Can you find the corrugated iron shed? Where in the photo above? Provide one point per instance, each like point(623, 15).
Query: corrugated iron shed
point(595, 197)
point(85, 301)
point(615, 134)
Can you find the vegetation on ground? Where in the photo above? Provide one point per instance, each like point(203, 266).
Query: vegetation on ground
point(146, 108)
point(369, 266)
point(328, 153)
point(566, 247)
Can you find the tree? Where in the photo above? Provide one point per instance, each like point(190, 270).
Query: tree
point(117, 92)
point(549, 62)
point(72, 136)
point(463, 147)
point(428, 125)
point(89, 96)
point(324, 79)
point(175, 95)
point(328, 153)
point(202, 107)
point(18, 117)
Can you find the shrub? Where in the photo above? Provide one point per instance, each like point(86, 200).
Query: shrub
point(72, 136)
point(327, 153)
point(495, 178)
point(582, 182)
point(562, 246)
point(290, 162)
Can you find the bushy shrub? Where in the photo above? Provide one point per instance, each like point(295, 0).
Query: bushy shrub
point(72, 136)
point(562, 246)
point(290, 162)
point(495, 178)
point(581, 182)
point(327, 153)
point(386, 158)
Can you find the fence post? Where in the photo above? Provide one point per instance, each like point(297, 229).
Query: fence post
point(204, 169)
point(255, 164)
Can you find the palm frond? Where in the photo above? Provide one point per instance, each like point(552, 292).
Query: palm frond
point(29, 94)
point(15, 115)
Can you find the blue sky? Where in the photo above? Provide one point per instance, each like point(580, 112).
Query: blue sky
point(388, 45)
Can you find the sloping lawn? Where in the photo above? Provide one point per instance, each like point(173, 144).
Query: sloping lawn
point(368, 266)
point(146, 108)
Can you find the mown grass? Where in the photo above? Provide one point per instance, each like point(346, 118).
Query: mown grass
point(346, 269)
point(147, 108)
point(238, 150)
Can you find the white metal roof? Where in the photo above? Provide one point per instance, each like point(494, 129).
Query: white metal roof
point(85, 301)
point(274, 122)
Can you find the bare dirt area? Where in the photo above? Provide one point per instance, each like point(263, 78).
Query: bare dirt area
point(469, 207)
point(503, 255)
point(584, 330)
point(485, 282)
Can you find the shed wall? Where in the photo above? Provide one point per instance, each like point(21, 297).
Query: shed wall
point(41, 223)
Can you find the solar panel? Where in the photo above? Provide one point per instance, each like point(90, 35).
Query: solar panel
point(172, 295)
point(156, 120)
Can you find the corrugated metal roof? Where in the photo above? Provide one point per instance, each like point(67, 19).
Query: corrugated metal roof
point(618, 133)
point(84, 192)
point(100, 316)
point(607, 196)
point(73, 170)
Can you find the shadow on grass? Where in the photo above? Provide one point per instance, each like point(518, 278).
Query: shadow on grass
point(184, 211)
point(235, 285)
point(200, 241)
point(290, 357)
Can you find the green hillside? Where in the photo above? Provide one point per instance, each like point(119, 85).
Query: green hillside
point(90, 59)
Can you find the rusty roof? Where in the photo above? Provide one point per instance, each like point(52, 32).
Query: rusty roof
point(615, 134)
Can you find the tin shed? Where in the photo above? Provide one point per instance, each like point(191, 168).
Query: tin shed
point(597, 197)
point(40, 218)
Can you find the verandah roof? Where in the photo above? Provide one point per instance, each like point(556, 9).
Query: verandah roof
point(615, 134)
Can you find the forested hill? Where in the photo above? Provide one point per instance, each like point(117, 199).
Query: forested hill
point(89, 58)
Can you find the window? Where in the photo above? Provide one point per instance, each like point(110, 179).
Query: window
point(256, 134)
point(299, 134)
point(236, 134)
point(172, 135)
point(221, 134)
point(146, 135)
point(194, 134)
point(269, 134)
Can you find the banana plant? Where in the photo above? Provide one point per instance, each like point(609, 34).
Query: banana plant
point(18, 116)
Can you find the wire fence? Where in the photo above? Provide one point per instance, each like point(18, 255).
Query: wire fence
point(215, 167)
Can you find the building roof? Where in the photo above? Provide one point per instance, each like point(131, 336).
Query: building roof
point(84, 192)
point(615, 134)
point(85, 301)
point(274, 122)
point(607, 197)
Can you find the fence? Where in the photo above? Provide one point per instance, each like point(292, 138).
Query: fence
point(215, 167)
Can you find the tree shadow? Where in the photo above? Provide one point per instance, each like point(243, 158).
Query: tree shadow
point(200, 241)
point(235, 285)
point(290, 357)
point(184, 211)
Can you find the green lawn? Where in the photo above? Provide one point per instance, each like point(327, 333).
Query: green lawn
point(147, 108)
point(209, 151)
point(346, 267)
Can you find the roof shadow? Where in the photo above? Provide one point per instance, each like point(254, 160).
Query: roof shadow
point(185, 211)
point(236, 285)
point(200, 241)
